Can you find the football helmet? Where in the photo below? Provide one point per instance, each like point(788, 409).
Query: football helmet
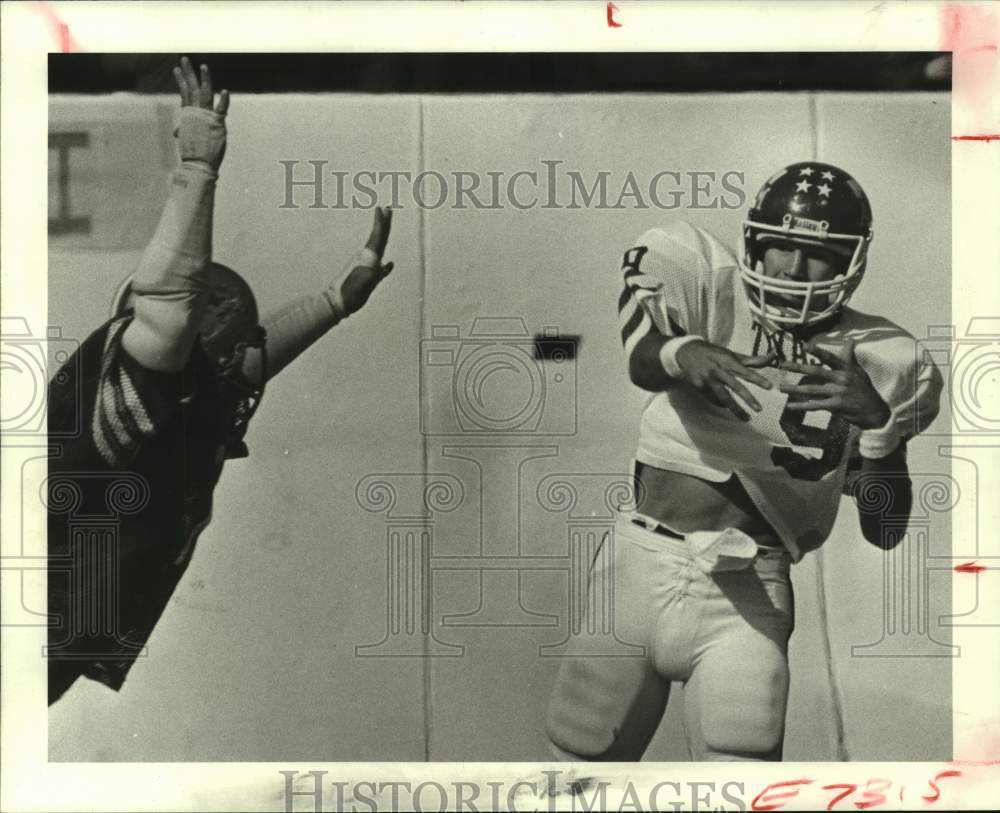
point(815, 204)
point(229, 328)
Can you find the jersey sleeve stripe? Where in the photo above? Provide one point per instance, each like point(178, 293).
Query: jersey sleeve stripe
point(133, 404)
point(633, 322)
point(104, 437)
point(636, 279)
point(643, 328)
point(120, 418)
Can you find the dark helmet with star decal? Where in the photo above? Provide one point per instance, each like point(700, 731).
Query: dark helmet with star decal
point(814, 204)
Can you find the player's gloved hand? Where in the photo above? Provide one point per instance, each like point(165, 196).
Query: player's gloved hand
point(844, 387)
point(716, 372)
point(201, 128)
point(351, 290)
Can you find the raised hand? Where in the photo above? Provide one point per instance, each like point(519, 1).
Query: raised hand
point(361, 280)
point(844, 388)
point(716, 372)
point(201, 128)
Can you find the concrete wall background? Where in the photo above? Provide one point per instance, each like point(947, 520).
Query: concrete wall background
point(255, 658)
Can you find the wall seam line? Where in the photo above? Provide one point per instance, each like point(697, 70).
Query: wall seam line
point(424, 455)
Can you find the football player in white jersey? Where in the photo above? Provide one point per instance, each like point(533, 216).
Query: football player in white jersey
point(770, 398)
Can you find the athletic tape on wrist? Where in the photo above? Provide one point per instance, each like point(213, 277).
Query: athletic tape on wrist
point(366, 258)
point(878, 443)
point(201, 135)
point(369, 259)
point(668, 354)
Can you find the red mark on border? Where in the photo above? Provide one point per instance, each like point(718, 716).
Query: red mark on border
point(873, 796)
point(847, 789)
point(984, 137)
point(767, 799)
point(951, 28)
point(971, 31)
point(969, 567)
point(612, 8)
point(59, 29)
point(936, 791)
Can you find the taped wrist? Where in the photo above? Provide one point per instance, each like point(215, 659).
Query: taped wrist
point(668, 354)
point(875, 444)
point(366, 258)
point(201, 135)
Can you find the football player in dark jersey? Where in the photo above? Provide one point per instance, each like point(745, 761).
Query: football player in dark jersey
point(164, 392)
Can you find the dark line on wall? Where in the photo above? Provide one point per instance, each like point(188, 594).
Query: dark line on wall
point(424, 451)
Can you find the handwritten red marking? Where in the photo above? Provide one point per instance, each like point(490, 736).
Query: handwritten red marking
point(984, 137)
point(774, 800)
point(971, 31)
point(951, 27)
point(612, 8)
point(969, 567)
point(60, 29)
point(847, 788)
point(934, 784)
point(873, 796)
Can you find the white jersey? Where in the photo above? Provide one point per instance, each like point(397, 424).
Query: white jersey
point(680, 281)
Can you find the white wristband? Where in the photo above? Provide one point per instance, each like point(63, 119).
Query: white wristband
point(368, 259)
point(668, 354)
point(878, 443)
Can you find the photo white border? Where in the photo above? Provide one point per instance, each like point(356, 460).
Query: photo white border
point(30, 31)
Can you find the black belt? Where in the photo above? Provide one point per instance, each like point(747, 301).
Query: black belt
point(658, 529)
point(662, 531)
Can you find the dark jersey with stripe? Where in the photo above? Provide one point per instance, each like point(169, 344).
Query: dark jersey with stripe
point(127, 498)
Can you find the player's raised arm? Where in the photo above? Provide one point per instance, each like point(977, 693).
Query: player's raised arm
point(298, 324)
point(661, 352)
point(167, 285)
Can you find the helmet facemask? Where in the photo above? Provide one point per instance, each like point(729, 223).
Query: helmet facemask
point(768, 296)
point(811, 204)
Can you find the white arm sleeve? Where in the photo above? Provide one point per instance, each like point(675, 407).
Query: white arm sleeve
point(167, 285)
point(295, 326)
point(290, 330)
